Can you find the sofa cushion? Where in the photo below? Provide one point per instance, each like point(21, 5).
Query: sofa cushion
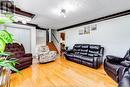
point(16, 49)
point(77, 53)
point(84, 54)
point(125, 63)
point(85, 46)
point(84, 50)
point(94, 47)
point(77, 46)
point(87, 59)
point(77, 50)
point(77, 56)
point(93, 55)
point(94, 51)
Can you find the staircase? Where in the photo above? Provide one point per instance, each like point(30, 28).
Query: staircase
point(52, 47)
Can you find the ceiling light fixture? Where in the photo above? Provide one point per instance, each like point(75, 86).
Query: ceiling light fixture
point(63, 12)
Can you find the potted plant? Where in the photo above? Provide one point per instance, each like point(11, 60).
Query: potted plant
point(6, 64)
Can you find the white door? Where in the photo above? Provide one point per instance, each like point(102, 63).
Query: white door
point(21, 35)
point(41, 37)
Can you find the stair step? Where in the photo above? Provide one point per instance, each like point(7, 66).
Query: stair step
point(52, 47)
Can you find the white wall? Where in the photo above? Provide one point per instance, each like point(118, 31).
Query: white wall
point(40, 37)
point(33, 35)
point(113, 34)
point(50, 35)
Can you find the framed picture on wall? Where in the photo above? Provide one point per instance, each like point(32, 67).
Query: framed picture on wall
point(81, 32)
point(87, 30)
point(93, 27)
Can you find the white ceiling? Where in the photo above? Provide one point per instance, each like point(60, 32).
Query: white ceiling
point(77, 11)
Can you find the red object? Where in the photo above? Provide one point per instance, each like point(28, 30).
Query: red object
point(62, 35)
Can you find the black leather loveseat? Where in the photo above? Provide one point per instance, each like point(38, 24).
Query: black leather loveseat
point(86, 54)
point(118, 69)
point(125, 81)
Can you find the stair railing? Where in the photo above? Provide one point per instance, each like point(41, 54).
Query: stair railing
point(55, 38)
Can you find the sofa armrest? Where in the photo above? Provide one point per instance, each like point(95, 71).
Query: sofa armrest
point(115, 59)
point(121, 72)
point(125, 63)
point(69, 51)
point(125, 82)
point(94, 55)
point(27, 55)
point(97, 61)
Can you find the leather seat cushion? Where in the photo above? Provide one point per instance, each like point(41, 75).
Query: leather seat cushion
point(84, 58)
point(87, 59)
point(83, 53)
point(78, 56)
point(93, 55)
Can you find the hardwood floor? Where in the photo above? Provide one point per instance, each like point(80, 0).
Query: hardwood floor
point(61, 73)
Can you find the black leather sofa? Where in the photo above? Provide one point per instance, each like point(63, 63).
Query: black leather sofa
point(117, 69)
point(125, 81)
point(87, 54)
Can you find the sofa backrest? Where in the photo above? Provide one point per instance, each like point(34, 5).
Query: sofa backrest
point(85, 49)
point(94, 48)
point(77, 48)
point(127, 55)
point(15, 48)
point(42, 49)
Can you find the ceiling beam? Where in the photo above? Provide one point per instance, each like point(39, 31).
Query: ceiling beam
point(10, 7)
point(127, 12)
point(37, 27)
point(30, 24)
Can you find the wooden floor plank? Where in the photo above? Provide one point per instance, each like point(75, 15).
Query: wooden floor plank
point(61, 73)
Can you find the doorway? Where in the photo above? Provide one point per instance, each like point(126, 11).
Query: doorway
point(62, 43)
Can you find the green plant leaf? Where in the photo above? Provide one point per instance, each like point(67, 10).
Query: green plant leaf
point(5, 20)
point(9, 64)
point(5, 38)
